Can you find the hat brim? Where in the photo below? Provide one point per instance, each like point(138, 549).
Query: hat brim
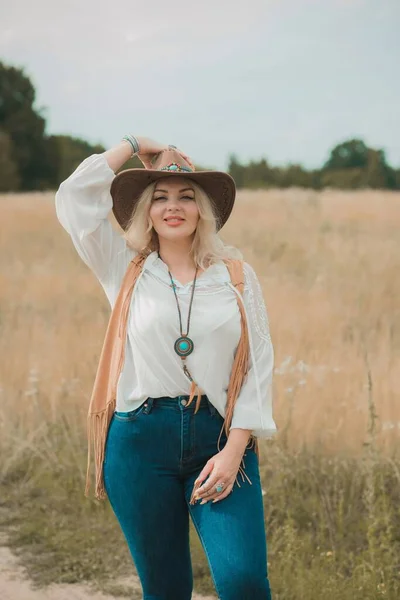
point(127, 186)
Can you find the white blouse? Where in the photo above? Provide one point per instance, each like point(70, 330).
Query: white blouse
point(152, 368)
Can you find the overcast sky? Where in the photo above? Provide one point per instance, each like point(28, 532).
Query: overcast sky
point(283, 79)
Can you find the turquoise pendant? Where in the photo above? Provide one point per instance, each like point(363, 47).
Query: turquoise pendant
point(184, 346)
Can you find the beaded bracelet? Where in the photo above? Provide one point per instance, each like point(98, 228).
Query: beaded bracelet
point(133, 142)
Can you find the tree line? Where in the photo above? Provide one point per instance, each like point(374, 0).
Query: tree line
point(32, 160)
point(351, 165)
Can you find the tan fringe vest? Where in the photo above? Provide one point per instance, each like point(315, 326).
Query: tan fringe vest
point(103, 399)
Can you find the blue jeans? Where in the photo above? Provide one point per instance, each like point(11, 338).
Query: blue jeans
point(153, 455)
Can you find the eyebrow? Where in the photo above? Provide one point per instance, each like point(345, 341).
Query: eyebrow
point(182, 190)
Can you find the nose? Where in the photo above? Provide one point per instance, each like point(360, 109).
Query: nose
point(173, 204)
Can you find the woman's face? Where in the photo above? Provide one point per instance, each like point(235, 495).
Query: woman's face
point(173, 210)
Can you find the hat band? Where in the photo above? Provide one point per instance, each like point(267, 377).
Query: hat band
point(177, 168)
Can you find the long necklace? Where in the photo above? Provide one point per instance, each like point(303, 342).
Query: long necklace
point(184, 344)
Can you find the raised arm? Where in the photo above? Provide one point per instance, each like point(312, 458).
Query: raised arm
point(253, 409)
point(83, 202)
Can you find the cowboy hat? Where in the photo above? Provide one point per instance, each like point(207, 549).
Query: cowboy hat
point(127, 186)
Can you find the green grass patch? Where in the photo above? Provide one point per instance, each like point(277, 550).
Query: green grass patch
point(333, 524)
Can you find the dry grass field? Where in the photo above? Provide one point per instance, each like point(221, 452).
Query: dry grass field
point(329, 266)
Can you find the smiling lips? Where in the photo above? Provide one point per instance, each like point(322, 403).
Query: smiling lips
point(174, 221)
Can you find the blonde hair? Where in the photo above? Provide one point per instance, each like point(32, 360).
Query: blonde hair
point(207, 247)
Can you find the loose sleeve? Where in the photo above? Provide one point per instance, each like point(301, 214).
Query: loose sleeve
point(83, 202)
point(253, 408)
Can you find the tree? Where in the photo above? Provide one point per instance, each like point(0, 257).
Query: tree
point(24, 125)
point(349, 179)
point(236, 170)
point(31, 160)
point(353, 165)
point(295, 175)
point(67, 153)
point(378, 173)
point(9, 179)
point(348, 155)
point(396, 178)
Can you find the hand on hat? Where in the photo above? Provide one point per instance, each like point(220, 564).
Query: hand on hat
point(149, 148)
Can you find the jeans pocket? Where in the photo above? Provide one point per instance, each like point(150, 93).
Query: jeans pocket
point(130, 415)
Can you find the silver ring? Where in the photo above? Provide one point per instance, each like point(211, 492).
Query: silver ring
point(171, 146)
point(218, 488)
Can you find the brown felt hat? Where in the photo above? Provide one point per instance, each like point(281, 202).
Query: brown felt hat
point(127, 186)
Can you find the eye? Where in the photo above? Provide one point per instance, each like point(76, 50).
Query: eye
point(164, 198)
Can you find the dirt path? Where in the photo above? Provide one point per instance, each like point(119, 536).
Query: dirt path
point(14, 584)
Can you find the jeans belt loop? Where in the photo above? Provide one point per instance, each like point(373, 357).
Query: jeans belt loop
point(148, 405)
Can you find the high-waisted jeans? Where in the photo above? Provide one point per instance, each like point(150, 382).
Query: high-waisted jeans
point(153, 456)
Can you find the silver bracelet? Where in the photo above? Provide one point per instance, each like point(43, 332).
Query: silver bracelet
point(133, 142)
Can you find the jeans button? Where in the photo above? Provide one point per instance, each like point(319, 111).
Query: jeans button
point(183, 402)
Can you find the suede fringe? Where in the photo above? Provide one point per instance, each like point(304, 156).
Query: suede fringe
point(97, 428)
point(194, 390)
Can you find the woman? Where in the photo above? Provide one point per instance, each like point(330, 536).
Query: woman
point(183, 327)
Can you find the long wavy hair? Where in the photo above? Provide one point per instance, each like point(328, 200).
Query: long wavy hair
point(207, 247)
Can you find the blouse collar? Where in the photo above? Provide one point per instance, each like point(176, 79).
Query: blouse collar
point(216, 273)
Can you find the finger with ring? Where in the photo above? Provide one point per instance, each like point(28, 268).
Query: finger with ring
point(224, 494)
point(213, 492)
point(206, 489)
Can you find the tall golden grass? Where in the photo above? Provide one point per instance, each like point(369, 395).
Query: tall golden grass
point(328, 263)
